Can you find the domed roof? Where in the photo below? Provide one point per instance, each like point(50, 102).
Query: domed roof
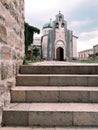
point(48, 25)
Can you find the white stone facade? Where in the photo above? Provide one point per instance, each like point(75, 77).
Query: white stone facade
point(57, 41)
point(37, 42)
point(89, 53)
point(75, 55)
point(95, 49)
point(85, 55)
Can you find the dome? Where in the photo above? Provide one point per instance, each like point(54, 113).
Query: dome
point(48, 25)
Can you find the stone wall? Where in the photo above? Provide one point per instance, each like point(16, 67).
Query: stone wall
point(11, 46)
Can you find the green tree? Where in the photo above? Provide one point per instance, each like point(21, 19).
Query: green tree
point(29, 34)
point(35, 52)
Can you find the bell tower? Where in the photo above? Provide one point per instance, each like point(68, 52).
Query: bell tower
point(60, 23)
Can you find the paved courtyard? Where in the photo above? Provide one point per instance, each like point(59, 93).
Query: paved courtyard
point(51, 63)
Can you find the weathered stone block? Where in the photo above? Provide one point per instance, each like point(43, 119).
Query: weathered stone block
point(21, 46)
point(9, 22)
point(93, 80)
point(14, 11)
point(3, 34)
point(7, 98)
point(50, 118)
point(32, 80)
point(1, 109)
point(6, 3)
point(4, 94)
point(6, 71)
point(73, 96)
point(0, 67)
point(3, 71)
point(15, 68)
point(2, 19)
point(5, 52)
point(12, 38)
point(18, 96)
point(18, 55)
point(15, 118)
point(42, 96)
point(10, 70)
point(93, 96)
point(2, 90)
point(85, 119)
point(16, 4)
point(14, 55)
point(68, 80)
point(16, 29)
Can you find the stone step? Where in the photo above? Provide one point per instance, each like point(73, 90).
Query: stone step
point(47, 128)
point(59, 69)
point(56, 80)
point(51, 114)
point(54, 94)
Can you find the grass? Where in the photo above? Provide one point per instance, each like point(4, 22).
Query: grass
point(27, 62)
point(88, 61)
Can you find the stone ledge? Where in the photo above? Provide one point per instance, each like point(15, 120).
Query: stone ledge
point(51, 114)
point(64, 68)
point(54, 94)
point(47, 128)
point(57, 80)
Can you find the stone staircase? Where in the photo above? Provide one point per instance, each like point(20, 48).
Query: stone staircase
point(64, 96)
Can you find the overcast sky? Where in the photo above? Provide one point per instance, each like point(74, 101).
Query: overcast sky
point(81, 17)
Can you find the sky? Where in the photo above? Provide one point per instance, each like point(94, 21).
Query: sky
point(81, 17)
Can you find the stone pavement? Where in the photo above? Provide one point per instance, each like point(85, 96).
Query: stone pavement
point(58, 63)
point(76, 79)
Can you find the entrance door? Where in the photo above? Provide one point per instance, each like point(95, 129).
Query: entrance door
point(60, 54)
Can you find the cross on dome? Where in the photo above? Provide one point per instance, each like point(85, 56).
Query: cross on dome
point(50, 20)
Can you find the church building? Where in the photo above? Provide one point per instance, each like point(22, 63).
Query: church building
point(58, 43)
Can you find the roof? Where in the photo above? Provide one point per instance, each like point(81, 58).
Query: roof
point(48, 25)
point(87, 50)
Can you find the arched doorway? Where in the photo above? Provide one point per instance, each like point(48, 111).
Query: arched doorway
point(60, 54)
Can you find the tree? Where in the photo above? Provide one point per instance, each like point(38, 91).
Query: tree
point(35, 52)
point(29, 34)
